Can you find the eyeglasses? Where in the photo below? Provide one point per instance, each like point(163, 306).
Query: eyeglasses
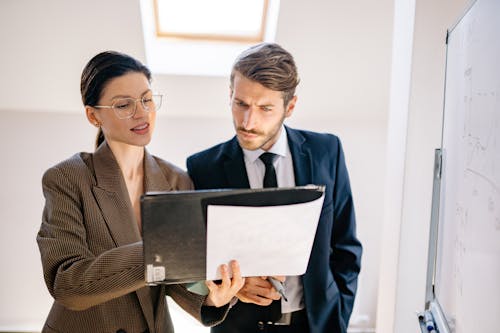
point(125, 108)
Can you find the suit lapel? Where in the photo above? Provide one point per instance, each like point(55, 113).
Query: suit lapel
point(112, 196)
point(234, 166)
point(303, 170)
point(301, 156)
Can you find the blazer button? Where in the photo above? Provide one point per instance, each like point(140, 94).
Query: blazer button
point(260, 325)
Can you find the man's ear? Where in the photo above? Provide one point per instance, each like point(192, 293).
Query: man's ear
point(92, 116)
point(291, 106)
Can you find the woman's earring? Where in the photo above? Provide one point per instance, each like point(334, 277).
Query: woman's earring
point(97, 124)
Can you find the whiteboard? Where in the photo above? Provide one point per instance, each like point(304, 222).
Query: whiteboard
point(467, 271)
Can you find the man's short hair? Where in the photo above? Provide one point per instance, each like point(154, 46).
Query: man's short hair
point(270, 65)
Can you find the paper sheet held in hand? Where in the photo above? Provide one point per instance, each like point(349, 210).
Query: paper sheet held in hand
point(266, 241)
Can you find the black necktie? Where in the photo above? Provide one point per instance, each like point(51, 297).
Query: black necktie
point(274, 310)
point(270, 175)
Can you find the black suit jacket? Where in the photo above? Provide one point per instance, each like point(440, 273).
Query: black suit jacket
point(330, 281)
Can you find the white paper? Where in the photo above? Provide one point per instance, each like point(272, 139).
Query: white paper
point(266, 241)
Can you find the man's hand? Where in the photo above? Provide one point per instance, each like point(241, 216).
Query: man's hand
point(259, 291)
point(221, 294)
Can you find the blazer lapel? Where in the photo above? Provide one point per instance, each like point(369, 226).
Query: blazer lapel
point(154, 178)
point(112, 196)
point(234, 166)
point(301, 156)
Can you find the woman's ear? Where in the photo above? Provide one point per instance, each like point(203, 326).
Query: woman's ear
point(92, 117)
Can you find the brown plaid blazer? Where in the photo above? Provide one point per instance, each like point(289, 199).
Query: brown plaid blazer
point(92, 254)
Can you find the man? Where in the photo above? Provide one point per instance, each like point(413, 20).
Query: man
point(262, 94)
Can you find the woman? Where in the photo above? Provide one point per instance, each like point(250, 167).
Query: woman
point(89, 240)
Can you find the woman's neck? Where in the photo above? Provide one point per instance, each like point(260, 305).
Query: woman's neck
point(130, 159)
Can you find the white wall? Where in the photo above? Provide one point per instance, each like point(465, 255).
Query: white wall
point(45, 45)
point(343, 53)
point(30, 143)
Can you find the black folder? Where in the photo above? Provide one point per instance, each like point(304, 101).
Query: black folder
point(174, 226)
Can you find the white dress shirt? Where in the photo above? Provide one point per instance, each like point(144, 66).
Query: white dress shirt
point(283, 165)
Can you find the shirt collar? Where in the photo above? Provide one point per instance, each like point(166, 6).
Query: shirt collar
point(279, 148)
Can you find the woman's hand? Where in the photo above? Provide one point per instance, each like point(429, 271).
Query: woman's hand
point(221, 294)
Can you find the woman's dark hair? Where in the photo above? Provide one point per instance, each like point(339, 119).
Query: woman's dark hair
point(102, 68)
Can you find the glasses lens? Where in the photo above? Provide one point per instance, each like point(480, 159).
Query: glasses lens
point(124, 107)
point(152, 102)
